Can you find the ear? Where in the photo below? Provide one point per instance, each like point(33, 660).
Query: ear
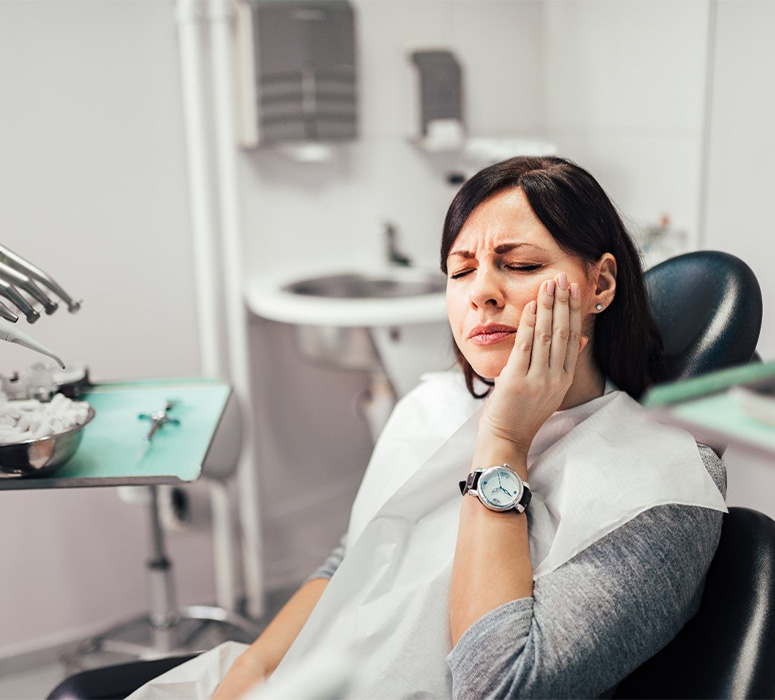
point(603, 283)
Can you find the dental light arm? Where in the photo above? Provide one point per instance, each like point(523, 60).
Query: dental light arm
point(17, 274)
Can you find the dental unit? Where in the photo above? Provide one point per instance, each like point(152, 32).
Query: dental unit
point(16, 271)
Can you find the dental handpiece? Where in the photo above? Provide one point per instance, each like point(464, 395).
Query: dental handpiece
point(7, 314)
point(13, 276)
point(12, 294)
point(13, 335)
point(19, 263)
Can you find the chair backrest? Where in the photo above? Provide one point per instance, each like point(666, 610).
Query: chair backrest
point(708, 307)
point(727, 650)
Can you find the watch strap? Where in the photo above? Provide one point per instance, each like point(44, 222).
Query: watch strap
point(471, 482)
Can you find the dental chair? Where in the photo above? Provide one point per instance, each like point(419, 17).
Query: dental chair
point(727, 650)
point(708, 308)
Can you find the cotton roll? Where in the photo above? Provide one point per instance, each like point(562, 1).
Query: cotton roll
point(29, 419)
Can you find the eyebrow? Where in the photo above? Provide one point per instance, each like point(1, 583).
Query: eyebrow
point(499, 249)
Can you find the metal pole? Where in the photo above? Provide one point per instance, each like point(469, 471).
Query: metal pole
point(162, 607)
point(236, 319)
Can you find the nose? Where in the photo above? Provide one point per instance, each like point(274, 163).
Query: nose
point(486, 290)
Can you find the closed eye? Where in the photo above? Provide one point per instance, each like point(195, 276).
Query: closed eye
point(515, 268)
point(524, 268)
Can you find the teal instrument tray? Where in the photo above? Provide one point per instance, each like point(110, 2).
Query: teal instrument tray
point(113, 451)
point(705, 406)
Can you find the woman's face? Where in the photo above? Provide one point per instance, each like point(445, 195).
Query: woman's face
point(495, 267)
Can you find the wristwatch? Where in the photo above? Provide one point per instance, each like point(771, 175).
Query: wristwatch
point(499, 488)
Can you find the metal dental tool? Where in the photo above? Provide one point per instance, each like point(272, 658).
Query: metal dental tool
point(15, 270)
point(7, 314)
point(12, 294)
point(13, 276)
point(17, 262)
point(158, 419)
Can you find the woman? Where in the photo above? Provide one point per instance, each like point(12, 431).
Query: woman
point(496, 595)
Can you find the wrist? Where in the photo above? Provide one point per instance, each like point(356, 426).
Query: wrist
point(491, 451)
point(502, 440)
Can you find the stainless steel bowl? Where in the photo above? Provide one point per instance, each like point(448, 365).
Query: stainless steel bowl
point(43, 456)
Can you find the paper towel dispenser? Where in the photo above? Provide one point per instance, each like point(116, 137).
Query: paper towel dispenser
point(441, 99)
point(305, 71)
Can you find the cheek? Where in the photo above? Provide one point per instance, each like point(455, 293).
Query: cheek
point(456, 308)
point(528, 292)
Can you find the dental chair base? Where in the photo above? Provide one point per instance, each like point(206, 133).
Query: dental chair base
point(166, 628)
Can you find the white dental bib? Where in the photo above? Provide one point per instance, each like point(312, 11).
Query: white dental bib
point(591, 468)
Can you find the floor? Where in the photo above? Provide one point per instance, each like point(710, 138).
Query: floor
point(37, 683)
point(31, 685)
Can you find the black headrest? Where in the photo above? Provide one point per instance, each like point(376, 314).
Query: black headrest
point(708, 308)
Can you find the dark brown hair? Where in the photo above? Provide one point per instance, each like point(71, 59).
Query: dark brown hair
point(570, 203)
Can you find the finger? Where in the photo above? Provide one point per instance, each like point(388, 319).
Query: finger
point(519, 359)
point(542, 338)
point(560, 323)
point(575, 342)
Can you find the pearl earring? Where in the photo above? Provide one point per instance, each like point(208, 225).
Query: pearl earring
point(599, 307)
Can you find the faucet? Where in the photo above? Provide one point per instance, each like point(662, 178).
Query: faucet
point(394, 255)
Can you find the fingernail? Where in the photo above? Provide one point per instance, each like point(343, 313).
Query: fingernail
point(531, 307)
point(562, 280)
point(550, 288)
point(574, 291)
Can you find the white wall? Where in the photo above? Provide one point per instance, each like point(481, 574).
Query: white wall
point(742, 143)
point(93, 185)
point(623, 88)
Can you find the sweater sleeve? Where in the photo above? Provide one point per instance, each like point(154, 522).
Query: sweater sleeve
point(328, 568)
point(599, 616)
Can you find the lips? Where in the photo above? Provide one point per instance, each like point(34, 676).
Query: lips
point(491, 334)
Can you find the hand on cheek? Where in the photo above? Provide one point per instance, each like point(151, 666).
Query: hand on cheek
point(541, 365)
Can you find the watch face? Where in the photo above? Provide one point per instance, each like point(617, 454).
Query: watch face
point(500, 488)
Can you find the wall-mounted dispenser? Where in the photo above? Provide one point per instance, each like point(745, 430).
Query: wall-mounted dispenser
point(305, 73)
point(442, 126)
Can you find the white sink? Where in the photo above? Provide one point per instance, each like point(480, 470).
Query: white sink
point(390, 322)
point(349, 298)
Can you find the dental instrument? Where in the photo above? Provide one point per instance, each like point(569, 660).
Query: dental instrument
point(17, 262)
point(21, 280)
point(12, 294)
point(158, 420)
point(7, 314)
point(13, 335)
